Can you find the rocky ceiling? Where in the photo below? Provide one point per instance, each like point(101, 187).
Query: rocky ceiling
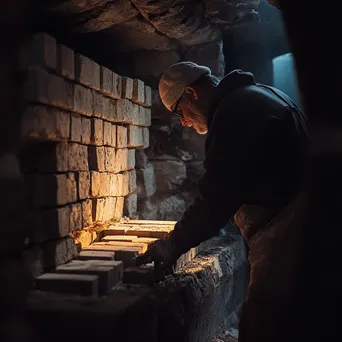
point(155, 32)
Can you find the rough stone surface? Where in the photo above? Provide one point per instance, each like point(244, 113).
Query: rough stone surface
point(146, 181)
point(170, 174)
point(213, 283)
point(130, 206)
point(171, 208)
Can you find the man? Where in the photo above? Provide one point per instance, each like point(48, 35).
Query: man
point(254, 149)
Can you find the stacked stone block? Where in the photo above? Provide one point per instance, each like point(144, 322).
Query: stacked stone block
point(82, 126)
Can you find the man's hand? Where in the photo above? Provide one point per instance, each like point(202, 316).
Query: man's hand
point(163, 253)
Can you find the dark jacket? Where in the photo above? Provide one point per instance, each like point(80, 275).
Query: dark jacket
point(254, 151)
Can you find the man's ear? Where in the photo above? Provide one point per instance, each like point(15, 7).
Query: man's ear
point(192, 92)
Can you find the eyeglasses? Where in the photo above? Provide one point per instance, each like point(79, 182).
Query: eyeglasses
point(175, 110)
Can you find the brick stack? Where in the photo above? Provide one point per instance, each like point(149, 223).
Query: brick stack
point(103, 264)
point(82, 126)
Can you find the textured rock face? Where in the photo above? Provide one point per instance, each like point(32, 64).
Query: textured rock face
point(163, 29)
point(201, 300)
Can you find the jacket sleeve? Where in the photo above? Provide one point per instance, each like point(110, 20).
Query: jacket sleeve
point(220, 188)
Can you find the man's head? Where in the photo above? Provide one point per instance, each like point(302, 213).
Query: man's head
point(185, 89)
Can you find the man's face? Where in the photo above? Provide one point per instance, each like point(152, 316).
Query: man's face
point(189, 115)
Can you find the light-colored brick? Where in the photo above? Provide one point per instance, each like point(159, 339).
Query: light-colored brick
point(127, 87)
point(82, 284)
point(125, 254)
point(66, 61)
point(98, 104)
point(99, 184)
point(130, 206)
point(97, 158)
point(83, 183)
point(78, 157)
point(123, 180)
point(45, 123)
point(113, 133)
point(115, 229)
point(113, 185)
point(44, 87)
point(107, 133)
point(98, 205)
point(56, 222)
point(111, 111)
point(138, 95)
point(43, 51)
point(121, 160)
point(110, 159)
point(131, 159)
point(117, 86)
point(106, 274)
point(121, 136)
point(83, 100)
point(118, 183)
point(135, 136)
point(75, 217)
point(126, 112)
point(75, 128)
point(96, 135)
point(87, 213)
point(107, 107)
point(96, 255)
point(106, 81)
point(132, 181)
point(148, 96)
point(110, 83)
point(51, 190)
point(87, 72)
point(134, 113)
point(109, 208)
point(58, 252)
point(118, 212)
point(86, 130)
point(60, 92)
point(127, 238)
point(141, 116)
point(147, 117)
point(146, 137)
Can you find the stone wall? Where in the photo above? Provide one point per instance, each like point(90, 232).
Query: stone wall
point(81, 129)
